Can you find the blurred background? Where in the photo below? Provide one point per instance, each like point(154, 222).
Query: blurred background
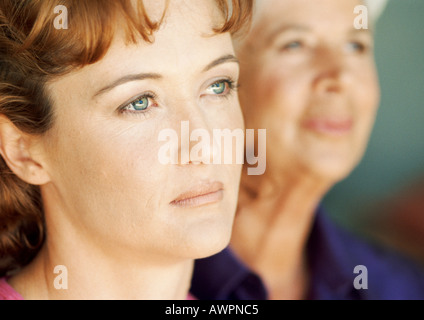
point(383, 199)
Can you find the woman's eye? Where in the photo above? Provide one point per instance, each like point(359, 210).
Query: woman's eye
point(293, 45)
point(219, 87)
point(357, 47)
point(139, 104)
point(222, 87)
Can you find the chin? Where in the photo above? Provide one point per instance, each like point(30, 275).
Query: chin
point(209, 240)
point(337, 174)
point(208, 252)
point(332, 162)
point(334, 170)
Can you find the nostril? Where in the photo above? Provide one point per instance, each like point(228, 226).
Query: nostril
point(333, 88)
point(328, 83)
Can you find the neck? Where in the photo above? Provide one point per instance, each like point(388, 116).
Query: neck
point(272, 227)
point(95, 273)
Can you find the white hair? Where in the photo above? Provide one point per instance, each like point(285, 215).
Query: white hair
point(375, 8)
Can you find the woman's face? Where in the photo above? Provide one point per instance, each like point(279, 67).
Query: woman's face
point(102, 155)
point(308, 77)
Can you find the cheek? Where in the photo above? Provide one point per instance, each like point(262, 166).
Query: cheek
point(226, 114)
point(284, 93)
point(128, 161)
point(367, 99)
point(97, 163)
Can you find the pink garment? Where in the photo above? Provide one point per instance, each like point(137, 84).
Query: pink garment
point(7, 292)
point(191, 297)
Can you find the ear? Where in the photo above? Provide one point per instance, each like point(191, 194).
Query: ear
point(19, 150)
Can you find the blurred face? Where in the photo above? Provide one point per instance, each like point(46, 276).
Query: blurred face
point(309, 78)
point(106, 179)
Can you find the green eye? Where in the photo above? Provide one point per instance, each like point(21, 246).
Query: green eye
point(293, 45)
point(140, 104)
point(356, 47)
point(219, 87)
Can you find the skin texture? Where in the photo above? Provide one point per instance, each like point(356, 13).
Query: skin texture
point(108, 200)
point(309, 78)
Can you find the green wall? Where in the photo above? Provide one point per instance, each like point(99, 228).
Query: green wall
point(395, 155)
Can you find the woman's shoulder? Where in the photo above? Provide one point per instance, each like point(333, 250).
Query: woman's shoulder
point(7, 292)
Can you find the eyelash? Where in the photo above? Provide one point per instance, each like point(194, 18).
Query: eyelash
point(289, 46)
point(148, 95)
point(232, 87)
point(361, 47)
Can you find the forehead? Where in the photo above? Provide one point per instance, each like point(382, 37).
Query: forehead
point(269, 13)
point(184, 39)
point(184, 43)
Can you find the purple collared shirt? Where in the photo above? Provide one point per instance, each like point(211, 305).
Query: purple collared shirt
point(334, 255)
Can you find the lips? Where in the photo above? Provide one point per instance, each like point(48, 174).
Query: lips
point(330, 126)
point(202, 194)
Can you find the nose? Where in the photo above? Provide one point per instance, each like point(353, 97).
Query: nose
point(196, 138)
point(329, 70)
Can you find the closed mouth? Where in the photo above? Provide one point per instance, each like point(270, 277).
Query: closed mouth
point(329, 126)
point(202, 194)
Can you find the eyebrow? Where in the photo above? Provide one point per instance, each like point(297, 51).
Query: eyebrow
point(156, 76)
point(285, 28)
point(222, 60)
point(361, 31)
point(127, 78)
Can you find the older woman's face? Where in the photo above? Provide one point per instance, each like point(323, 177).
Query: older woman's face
point(308, 77)
point(103, 152)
